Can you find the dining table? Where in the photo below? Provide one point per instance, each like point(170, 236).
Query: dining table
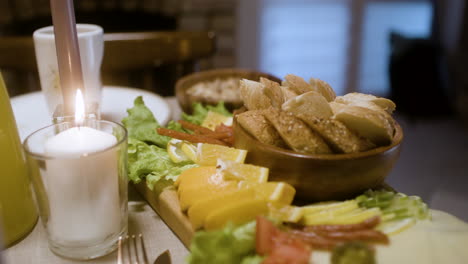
point(31, 114)
point(142, 219)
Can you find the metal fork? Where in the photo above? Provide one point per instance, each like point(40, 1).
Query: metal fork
point(130, 251)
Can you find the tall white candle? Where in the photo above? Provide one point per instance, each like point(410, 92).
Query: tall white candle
point(83, 184)
point(83, 192)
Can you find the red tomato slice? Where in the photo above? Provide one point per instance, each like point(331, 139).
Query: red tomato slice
point(265, 231)
point(290, 254)
point(279, 246)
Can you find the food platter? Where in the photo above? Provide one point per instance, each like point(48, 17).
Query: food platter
point(214, 189)
point(166, 204)
point(408, 247)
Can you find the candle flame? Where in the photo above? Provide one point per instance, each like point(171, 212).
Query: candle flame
point(79, 108)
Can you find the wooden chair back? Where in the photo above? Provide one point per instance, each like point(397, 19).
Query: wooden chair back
point(148, 60)
point(22, 17)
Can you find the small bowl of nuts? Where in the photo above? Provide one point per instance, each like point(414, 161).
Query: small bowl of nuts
point(214, 86)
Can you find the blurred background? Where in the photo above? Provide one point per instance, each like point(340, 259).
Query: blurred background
point(412, 51)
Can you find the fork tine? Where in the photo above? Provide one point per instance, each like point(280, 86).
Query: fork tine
point(130, 251)
point(145, 257)
point(119, 251)
point(135, 250)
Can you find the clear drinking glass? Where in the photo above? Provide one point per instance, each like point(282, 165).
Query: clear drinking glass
point(91, 45)
point(82, 197)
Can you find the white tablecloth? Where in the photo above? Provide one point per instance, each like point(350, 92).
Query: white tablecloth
point(142, 219)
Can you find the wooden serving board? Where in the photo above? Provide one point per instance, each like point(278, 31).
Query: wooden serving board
point(167, 206)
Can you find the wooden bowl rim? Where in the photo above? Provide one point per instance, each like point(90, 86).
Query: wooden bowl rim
point(397, 139)
point(184, 83)
point(220, 73)
point(201, 76)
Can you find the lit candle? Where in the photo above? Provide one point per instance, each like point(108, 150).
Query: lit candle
point(82, 183)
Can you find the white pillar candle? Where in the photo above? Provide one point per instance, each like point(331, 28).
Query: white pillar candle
point(83, 189)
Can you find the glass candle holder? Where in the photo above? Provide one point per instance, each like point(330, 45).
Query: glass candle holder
point(79, 175)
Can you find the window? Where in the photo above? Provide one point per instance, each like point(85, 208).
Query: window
point(412, 19)
point(306, 39)
point(320, 38)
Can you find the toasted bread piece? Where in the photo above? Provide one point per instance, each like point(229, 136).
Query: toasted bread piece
point(288, 93)
point(337, 135)
point(323, 88)
point(367, 123)
point(370, 105)
point(296, 133)
point(258, 126)
point(253, 96)
point(336, 107)
point(366, 104)
point(384, 103)
point(273, 91)
point(312, 103)
point(276, 93)
point(296, 84)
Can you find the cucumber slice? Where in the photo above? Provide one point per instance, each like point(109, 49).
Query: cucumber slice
point(394, 206)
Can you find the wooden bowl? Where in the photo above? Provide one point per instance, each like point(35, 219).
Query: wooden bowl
point(326, 176)
point(186, 82)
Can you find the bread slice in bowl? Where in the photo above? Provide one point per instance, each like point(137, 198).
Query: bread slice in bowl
point(297, 135)
point(356, 98)
point(253, 96)
point(297, 84)
point(311, 103)
point(337, 135)
point(256, 124)
point(367, 123)
point(323, 88)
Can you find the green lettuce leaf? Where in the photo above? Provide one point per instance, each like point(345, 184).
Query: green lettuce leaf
point(142, 125)
point(200, 112)
point(153, 163)
point(230, 245)
point(254, 259)
point(147, 155)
